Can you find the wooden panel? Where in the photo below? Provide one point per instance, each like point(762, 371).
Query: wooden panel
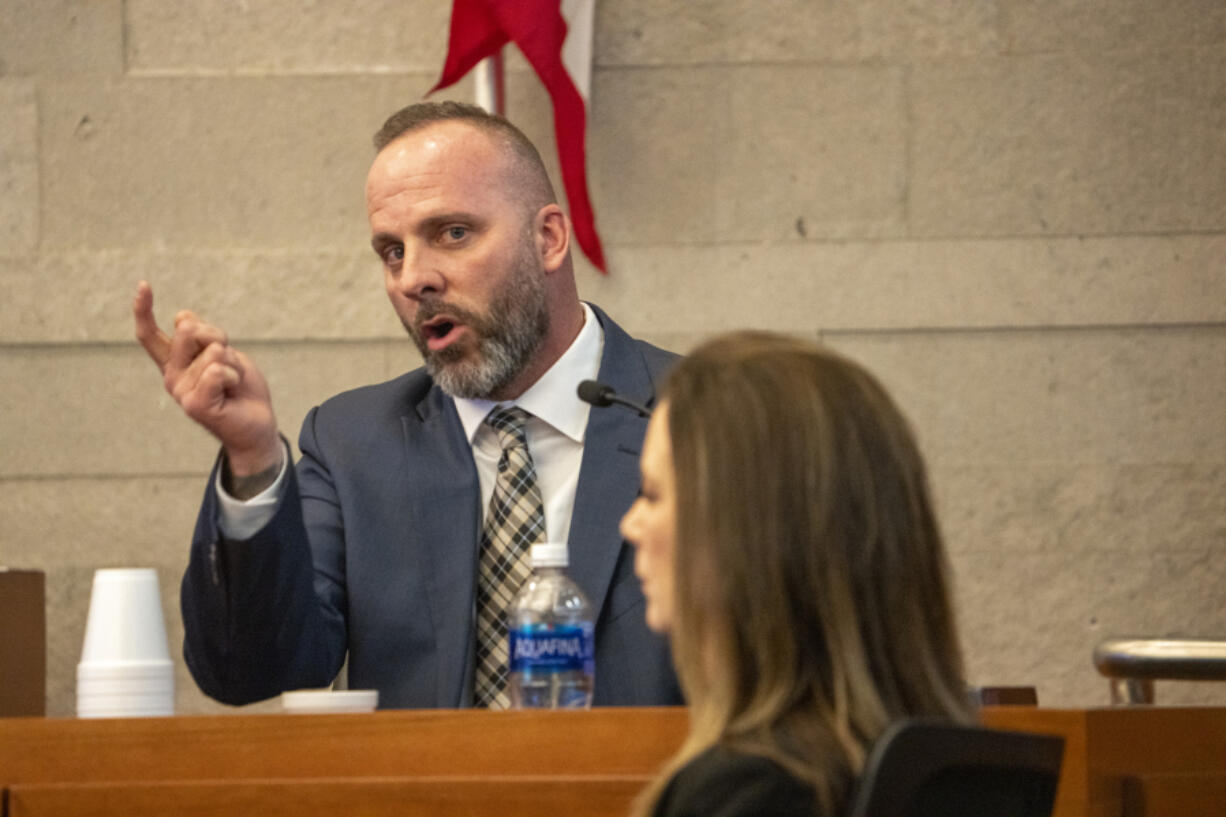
point(435, 797)
point(607, 741)
point(1005, 696)
point(1105, 746)
point(1131, 741)
point(1072, 796)
point(1176, 795)
point(23, 643)
point(1154, 739)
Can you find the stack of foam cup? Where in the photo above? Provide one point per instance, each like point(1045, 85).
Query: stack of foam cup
point(125, 668)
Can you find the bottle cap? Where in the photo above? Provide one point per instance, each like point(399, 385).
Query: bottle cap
point(553, 554)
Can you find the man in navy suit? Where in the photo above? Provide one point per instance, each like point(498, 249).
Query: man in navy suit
point(369, 546)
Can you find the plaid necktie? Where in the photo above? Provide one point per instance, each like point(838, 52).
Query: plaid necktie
point(514, 522)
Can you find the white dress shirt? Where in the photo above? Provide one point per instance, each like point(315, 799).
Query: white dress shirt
point(555, 434)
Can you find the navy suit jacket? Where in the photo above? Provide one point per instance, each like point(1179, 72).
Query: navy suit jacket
point(373, 550)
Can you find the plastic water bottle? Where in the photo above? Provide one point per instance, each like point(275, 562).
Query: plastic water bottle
point(552, 638)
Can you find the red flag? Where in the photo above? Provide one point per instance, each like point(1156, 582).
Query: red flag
point(478, 29)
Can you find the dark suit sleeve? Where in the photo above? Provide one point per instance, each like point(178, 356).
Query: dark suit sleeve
point(723, 783)
point(265, 615)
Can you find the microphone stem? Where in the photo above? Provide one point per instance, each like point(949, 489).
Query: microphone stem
point(630, 404)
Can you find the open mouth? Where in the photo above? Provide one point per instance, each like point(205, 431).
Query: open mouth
point(438, 333)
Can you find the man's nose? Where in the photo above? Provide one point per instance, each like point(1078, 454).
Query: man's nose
point(420, 276)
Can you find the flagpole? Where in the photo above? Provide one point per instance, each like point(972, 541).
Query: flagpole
point(491, 84)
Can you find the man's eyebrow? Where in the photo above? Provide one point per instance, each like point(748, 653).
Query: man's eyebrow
point(433, 222)
point(383, 239)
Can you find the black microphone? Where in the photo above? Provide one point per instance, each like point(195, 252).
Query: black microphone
point(598, 394)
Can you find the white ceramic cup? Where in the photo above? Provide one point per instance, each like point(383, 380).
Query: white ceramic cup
point(125, 618)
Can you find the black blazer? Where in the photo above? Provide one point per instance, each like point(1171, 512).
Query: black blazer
point(723, 783)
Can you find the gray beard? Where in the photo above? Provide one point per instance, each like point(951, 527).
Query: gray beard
point(507, 338)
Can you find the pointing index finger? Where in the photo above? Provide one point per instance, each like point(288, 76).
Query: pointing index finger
point(155, 341)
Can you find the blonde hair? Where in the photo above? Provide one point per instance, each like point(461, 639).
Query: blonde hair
point(811, 585)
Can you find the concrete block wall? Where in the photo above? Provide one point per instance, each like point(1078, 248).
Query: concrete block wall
point(1013, 211)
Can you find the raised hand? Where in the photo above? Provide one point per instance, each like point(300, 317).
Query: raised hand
point(215, 384)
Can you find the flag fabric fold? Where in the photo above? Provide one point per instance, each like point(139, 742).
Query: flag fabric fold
point(479, 28)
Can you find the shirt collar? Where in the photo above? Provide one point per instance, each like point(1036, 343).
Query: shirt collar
point(552, 398)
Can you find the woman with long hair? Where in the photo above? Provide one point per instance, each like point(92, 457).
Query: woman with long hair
point(786, 543)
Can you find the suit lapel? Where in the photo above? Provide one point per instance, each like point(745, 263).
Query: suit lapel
point(442, 515)
point(609, 475)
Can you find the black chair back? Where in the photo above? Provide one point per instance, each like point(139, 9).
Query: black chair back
point(922, 768)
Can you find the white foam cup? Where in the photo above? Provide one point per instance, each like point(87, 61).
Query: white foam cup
point(97, 671)
point(98, 692)
point(101, 679)
point(125, 620)
point(117, 697)
point(125, 668)
point(127, 705)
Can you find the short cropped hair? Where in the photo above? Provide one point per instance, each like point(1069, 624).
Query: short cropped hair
point(421, 114)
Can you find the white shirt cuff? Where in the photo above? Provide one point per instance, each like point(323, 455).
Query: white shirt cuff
point(240, 519)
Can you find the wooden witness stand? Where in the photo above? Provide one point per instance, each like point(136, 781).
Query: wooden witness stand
point(1119, 762)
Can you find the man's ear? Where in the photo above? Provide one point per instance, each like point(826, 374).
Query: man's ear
point(552, 231)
